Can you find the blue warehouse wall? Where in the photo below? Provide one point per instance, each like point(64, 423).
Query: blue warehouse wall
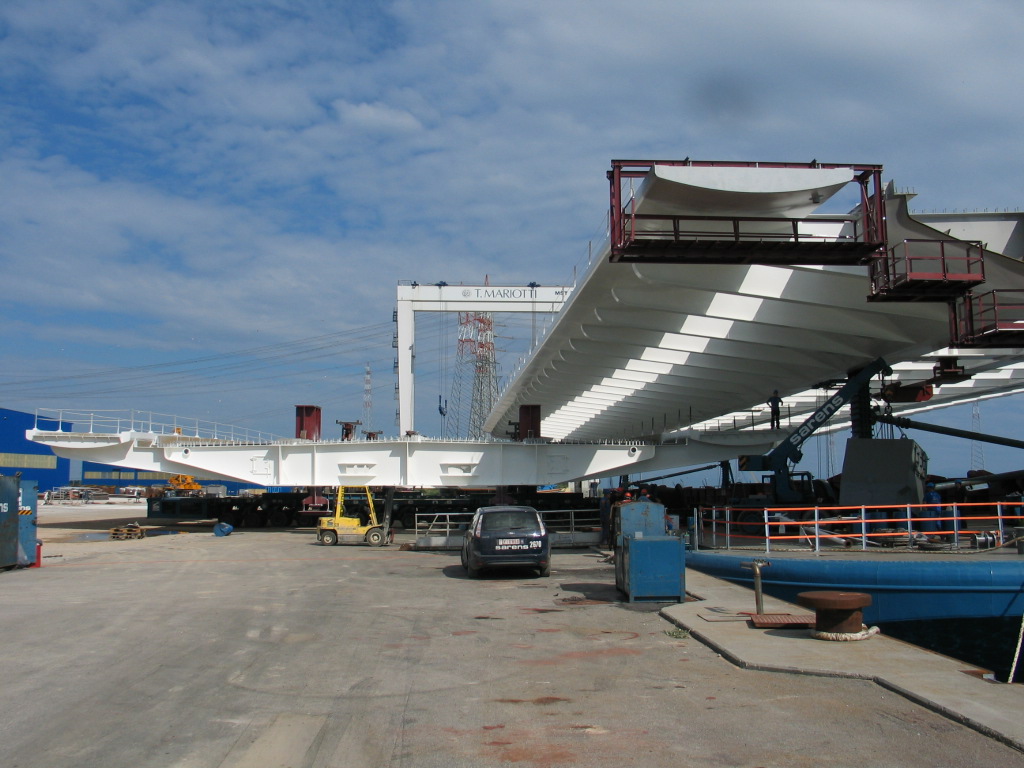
point(34, 462)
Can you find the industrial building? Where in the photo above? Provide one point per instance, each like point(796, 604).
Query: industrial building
point(35, 462)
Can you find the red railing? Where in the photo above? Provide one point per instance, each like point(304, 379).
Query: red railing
point(730, 228)
point(939, 268)
point(624, 233)
point(992, 318)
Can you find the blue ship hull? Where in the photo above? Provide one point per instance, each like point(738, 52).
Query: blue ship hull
point(904, 589)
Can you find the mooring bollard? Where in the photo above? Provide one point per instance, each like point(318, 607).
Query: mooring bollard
point(836, 612)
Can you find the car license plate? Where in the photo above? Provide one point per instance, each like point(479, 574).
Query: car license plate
point(507, 544)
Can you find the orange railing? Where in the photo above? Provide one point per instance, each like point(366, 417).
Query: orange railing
point(861, 526)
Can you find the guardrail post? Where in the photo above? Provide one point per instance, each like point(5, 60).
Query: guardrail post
point(728, 527)
point(767, 531)
point(910, 528)
point(956, 527)
point(999, 512)
point(864, 528)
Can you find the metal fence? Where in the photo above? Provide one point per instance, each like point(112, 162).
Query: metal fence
point(555, 520)
point(976, 525)
point(117, 421)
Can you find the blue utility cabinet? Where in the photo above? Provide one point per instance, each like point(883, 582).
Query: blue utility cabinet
point(643, 518)
point(8, 521)
point(652, 568)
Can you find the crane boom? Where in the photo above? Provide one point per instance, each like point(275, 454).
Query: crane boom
point(789, 450)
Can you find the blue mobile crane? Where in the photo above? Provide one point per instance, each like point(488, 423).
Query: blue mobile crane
point(855, 393)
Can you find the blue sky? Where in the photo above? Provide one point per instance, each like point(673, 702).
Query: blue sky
point(206, 207)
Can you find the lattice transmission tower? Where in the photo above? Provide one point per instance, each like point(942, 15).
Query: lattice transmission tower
point(368, 399)
point(977, 447)
point(476, 370)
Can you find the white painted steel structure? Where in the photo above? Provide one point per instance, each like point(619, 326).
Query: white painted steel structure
point(679, 357)
point(140, 441)
point(653, 350)
point(415, 298)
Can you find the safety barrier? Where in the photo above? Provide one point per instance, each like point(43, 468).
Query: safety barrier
point(984, 524)
point(560, 520)
point(566, 527)
point(114, 422)
point(74, 495)
point(442, 523)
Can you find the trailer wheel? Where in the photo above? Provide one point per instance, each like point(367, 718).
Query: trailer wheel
point(749, 518)
point(375, 537)
point(329, 538)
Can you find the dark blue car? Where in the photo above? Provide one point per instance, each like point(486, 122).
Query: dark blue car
point(506, 536)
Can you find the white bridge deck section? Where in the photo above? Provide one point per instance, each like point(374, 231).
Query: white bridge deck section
point(413, 462)
point(644, 350)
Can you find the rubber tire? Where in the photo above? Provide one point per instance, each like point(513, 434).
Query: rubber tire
point(329, 538)
point(545, 571)
point(751, 523)
point(375, 537)
point(473, 573)
point(462, 557)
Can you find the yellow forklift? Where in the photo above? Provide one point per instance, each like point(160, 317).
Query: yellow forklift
point(355, 523)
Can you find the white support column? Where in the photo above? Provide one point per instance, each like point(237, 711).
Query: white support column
point(406, 355)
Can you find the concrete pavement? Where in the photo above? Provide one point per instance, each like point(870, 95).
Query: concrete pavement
point(265, 648)
point(950, 687)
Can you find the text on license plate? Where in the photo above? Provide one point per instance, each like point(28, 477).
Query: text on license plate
point(507, 544)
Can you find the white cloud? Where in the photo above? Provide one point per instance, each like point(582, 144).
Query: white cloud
point(374, 118)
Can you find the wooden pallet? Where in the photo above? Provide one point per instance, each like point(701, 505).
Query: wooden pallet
point(129, 532)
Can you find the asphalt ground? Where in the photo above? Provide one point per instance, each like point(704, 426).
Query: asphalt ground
point(263, 648)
